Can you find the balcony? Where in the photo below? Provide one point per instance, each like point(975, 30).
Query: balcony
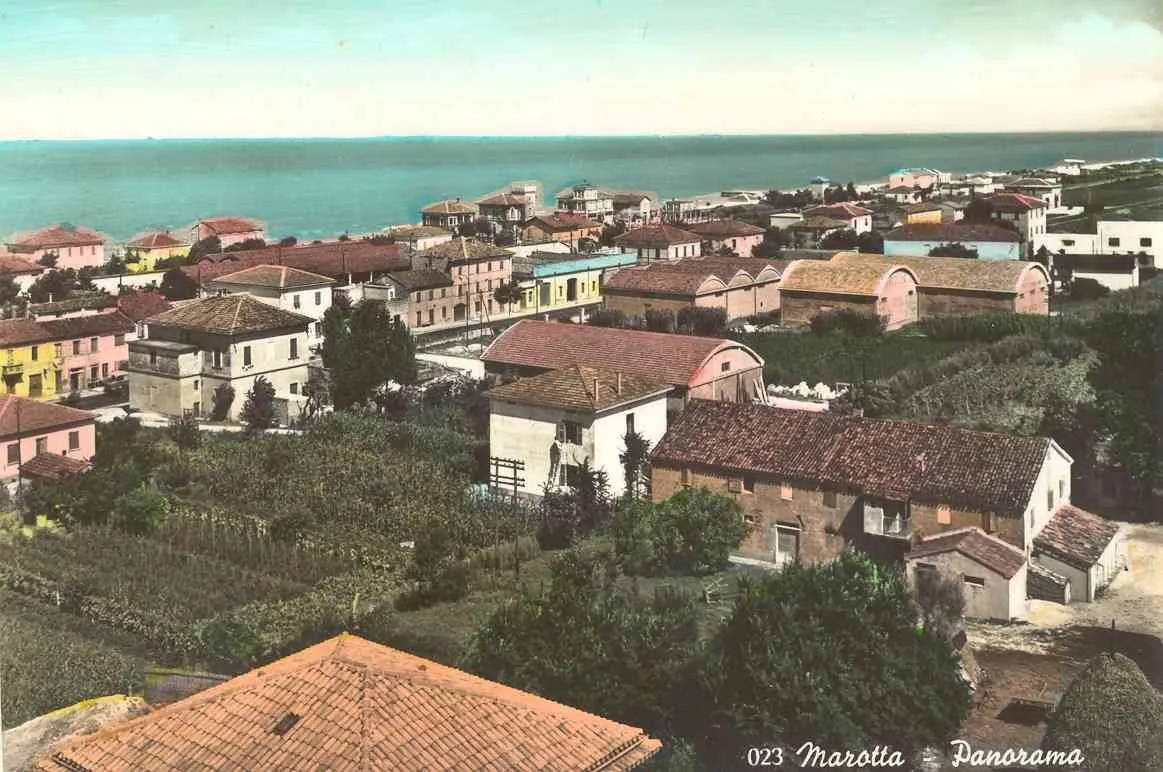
point(879, 522)
point(12, 368)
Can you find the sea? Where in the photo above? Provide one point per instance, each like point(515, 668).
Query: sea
point(321, 188)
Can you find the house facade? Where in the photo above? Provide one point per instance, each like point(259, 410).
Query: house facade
point(1048, 190)
point(229, 230)
point(634, 208)
point(30, 430)
point(588, 200)
point(731, 235)
point(661, 241)
point(143, 252)
point(290, 289)
point(556, 422)
point(563, 227)
point(742, 287)
point(43, 359)
point(857, 218)
point(992, 572)
point(476, 270)
point(419, 237)
point(427, 297)
point(925, 212)
point(193, 349)
point(550, 281)
point(449, 214)
point(73, 246)
point(992, 242)
point(507, 211)
point(916, 178)
point(1026, 213)
point(812, 287)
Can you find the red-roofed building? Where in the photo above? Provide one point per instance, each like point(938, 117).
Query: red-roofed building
point(858, 218)
point(732, 235)
point(229, 230)
point(565, 227)
point(507, 210)
point(741, 286)
point(449, 214)
point(73, 246)
point(993, 572)
point(661, 241)
point(143, 252)
point(348, 262)
point(1026, 213)
point(29, 429)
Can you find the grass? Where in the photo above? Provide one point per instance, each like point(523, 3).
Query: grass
point(1117, 192)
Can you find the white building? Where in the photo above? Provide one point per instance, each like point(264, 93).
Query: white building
point(1050, 191)
point(1071, 167)
point(419, 237)
point(557, 421)
point(859, 218)
point(290, 289)
point(589, 200)
point(1123, 234)
point(1028, 214)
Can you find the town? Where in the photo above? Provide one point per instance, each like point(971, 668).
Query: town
point(515, 481)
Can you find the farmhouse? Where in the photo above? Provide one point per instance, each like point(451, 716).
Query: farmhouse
point(993, 572)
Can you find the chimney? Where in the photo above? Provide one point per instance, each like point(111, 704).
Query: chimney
point(619, 387)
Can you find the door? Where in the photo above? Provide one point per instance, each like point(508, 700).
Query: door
point(571, 290)
point(35, 386)
point(75, 379)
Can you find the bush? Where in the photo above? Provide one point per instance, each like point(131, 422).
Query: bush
point(608, 317)
point(141, 510)
point(706, 322)
point(222, 399)
point(659, 320)
point(1087, 289)
point(692, 532)
point(987, 328)
point(858, 324)
point(258, 411)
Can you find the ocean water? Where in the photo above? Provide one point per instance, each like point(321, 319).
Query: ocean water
point(314, 188)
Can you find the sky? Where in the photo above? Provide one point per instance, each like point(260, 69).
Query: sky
point(88, 69)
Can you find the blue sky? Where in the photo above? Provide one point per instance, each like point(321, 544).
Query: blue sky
point(264, 68)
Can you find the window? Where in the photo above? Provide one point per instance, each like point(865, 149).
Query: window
point(92, 345)
point(748, 484)
point(294, 388)
point(74, 440)
point(56, 349)
point(569, 432)
point(926, 567)
point(318, 298)
point(76, 347)
point(787, 543)
point(104, 370)
point(749, 519)
point(294, 348)
point(41, 445)
point(829, 499)
point(1113, 242)
point(686, 477)
point(246, 360)
point(725, 367)
point(1144, 242)
point(569, 476)
point(1061, 489)
point(119, 339)
point(629, 423)
point(13, 453)
point(35, 353)
point(295, 300)
point(1050, 499)
point(976, 582)
point(1067, 242)
point(217, 359)
point(785, 492)
point(93, 375)
point(944, 515)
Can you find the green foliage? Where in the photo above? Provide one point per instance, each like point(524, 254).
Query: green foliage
point(870, 243)
point(245, 245)
point(841, 239)
point(659, 320)
point(184, 431)
point(508, 294)
point(49, 259)
point(211, 245)
point(567, 516)
point(258, 411)
point(55, 284)
point(437, 570)
point(141, 510)
point(940, 598)
point(988, 328)
point(692, 532)
point(363, 351)
point(781, 668)
point(705, 322)
point(176, 285)
point(1083, 288)
point(608, 317)
point(221, 400)
point(635, 458)
point(858, 324)
point(954, 250)
point(1112, 714)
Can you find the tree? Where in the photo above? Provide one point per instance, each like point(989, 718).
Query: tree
point(184, 432)
point(9, 291)
point(365, 350)
point(870, 243)
point(508, 294)
point(1112, 715)
point(608, 317)
point(659, 320)
point(212, 245)
point(245, 245)
point(978, 211)
point(940, 599)
point(851, 190)
point(55, 284)
point(318, 394)
point(344, 237)
point(49, 259)
point(692, 532)
point(141, 510)
point(569, 515)
point(116, 263)
point(288, 241)
point(829, 653)
point(953, 250)
point(176, 285)
point(1084, 288)
point(634, 458)
point(258, 411)
point(706, 322)
point(610, 233)
point(772, 244)
point(221, 400)
point(437, 569)
point(841, 239)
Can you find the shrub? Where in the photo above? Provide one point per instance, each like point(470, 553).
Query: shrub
point(258, 411)
point(858, 324)
point(222, 399)
point(659, 320)
point(141, 510)
point(608, 317)
point(706, 322)
point(692, 532)
point(1087, 289)
point(953, 250)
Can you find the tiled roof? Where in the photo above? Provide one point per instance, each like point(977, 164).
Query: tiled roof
point(996, 276)
point(421, 280)
point(717, 229)
point(221, 226)
point(1075, 536)
point(58, 236)
point(113, 323)
point(462, 249)
point(156, 240)
point(409, 232)
point(142, 304)
point(631, 198)
point(817, 223)
point(896, 460)
point(18, 332)
point(10, 264)
point(505, 199)
point(842, 211)
point(1015, 202)
point(672, 359)
point(993, 553)
point(93, 301)
point(52, 466)
point(663, 280)
point(275, 277)
point(36, 416)
point(838, 277)
point(349, 705)
point(450, 206)
point(952, 232)
point(924, 206)
point(229, 315)
point(579, 388)
point(562, 221)
point(336, 259)
point(656, 236)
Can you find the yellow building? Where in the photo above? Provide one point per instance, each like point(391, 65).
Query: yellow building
point(550, 280)
point(30, 363)
point(143, 253)
point(925, 211)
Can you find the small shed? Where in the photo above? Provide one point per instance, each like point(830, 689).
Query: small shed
point(992, 571)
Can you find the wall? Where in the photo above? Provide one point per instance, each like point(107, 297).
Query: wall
point(926, 520)
point(527, 432)
point(147, 259)
point(112, 284)
point(1033, 293)
point(1051, 490)
point(19, 359)
point(986, 250)
point(936, 216)
point(1081, 585)
point(57, 441)
point(88, 255)
point(1072, 243)
point(111, 355)
point(798, 308)
point(898, 302)
point(736, 383)
point(471, 366)
point(610, 432)
point(1000, 599)
point(1133, 236)
point(313, 301)
point(637, 305)
point(942, 302)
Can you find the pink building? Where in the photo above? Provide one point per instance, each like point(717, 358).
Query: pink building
point(74, 247)
point(41, 439)
point(739, 237)
point(475, 271)
point(229, 230)
point(92, 348)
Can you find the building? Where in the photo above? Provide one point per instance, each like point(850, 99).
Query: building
point(931, 212)
point(507, 211)
point(742, 286)
point(661, 241)
point(556, 422)
point(287, 288)
point(419, 237)
point(449, 214)
point(143, 252)
point(809, 232)
point(1137, 231)
point(916, 178)
point(955, 286)
point(812, 287)
point(679, 210)
point(1084, 549)
point(550, 281)
point(856, 218)
point(426, 296)
point(992, 571)
point(732, 235)
point(73, 246)
point(1070, 167)
point(350, 705)
point(350, 263)
point(23, 273)
point(1026, 213)
point(588, 200)
point(90, 348)
point(634, 207)
point(1049, 191)
point(992, 242)
point(231, 340)
point(39, 437)
point(710, 368)
point(77, 304)
point(1115, 272)
point(476, 269)
point(561, 226)
point(229, 230)
point(903, 195)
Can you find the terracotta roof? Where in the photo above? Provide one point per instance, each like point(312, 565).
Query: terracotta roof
point(717, 229)
point(505, 199)
point(656, 236)
point(52, 466)
point(85, 302)
point(952, 232)
point(221, 226)
point(631, 198)
point(1015, 202)
point(579, 388)
point(156, 240)
point(996, 276)
point(672, 359)
point(817, 223)
point(838, 277)
point(142, 304)
point(562, 221)
point(841, 211)
point(58, 236)
point(409, 232)
point(36, 416)
point(462, 249)
point(924, 206)
point(662, 280)
point(235, 314)
point(350, 705)
point(336, 259)
point(450, 206)
point(87, 326)
point(1000, 557)
point(275, 277)
point(421, 280)
point(1075, 536)
point(10, 264)
point(897, 460)
point(19, 332)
